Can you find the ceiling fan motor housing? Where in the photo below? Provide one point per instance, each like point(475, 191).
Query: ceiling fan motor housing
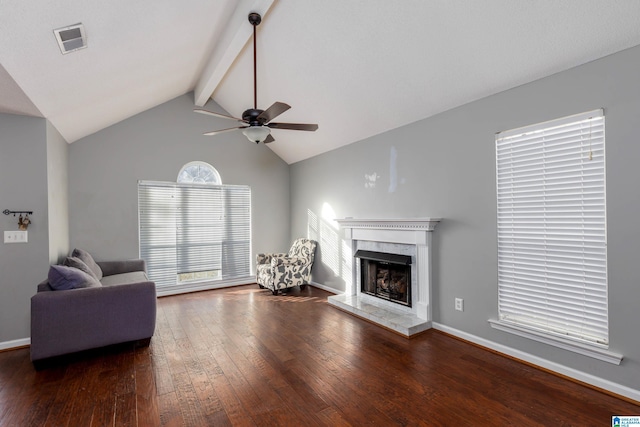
point(251, 116)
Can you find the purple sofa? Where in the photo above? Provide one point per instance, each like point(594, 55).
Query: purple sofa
point(123, 309)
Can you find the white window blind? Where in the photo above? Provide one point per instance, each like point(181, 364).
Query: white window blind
point(552, 245)
point(193, 232)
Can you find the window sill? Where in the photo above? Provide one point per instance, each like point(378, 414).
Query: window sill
point(584, 349)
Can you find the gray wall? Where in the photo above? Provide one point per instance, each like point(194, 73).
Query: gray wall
point(23, 186)
point(58, 194)
point(104, 169)
point(444, 166)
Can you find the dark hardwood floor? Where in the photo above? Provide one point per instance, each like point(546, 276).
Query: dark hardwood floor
point(241, 356)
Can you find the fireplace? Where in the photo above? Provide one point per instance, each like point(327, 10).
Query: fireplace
point(386, 276)
point(389, 247)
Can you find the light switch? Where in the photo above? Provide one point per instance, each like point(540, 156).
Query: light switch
point(16, 236)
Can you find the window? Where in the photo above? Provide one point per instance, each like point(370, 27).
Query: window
point(552, 245)
point(194, 234)
point(199, 172)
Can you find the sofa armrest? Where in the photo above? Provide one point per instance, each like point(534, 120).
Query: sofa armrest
point(79, 319)
point(110, 268)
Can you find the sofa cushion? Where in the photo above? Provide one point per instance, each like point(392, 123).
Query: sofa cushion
point(123, 278)
point(88, 259)
point(75, 262)
point(62, 277)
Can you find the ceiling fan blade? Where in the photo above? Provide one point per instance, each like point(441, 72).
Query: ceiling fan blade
point(211, 113)
point(293, 126)
point(268, 139)
point(215, 132)
point(274, 111)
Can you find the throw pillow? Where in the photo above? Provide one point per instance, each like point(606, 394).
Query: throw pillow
point(88, 259)
point(80, 265)
point(62, 277)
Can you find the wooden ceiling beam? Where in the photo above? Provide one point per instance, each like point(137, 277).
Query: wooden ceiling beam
point(233, 39)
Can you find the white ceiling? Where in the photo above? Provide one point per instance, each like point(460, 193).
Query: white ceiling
point(357, 68)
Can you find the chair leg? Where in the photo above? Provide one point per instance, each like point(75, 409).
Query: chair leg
point(274, 291)
point(303, 286)
point(261, 287)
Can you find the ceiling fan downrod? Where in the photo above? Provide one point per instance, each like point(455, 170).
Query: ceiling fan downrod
point(255, 19)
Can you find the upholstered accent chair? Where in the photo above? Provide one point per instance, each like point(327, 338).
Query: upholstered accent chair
point(278, 271)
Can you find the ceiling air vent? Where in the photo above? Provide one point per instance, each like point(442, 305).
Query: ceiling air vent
point(71, 38)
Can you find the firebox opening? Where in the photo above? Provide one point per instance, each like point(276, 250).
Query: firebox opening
point(386, 276)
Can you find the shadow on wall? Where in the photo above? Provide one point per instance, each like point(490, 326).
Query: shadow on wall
point(332, 266)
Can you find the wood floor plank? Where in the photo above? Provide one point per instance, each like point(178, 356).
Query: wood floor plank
point(160, 367)
point(15, 398)
point(233, 407)
point(125, 410)
point(252, 403)
point(187, 399)
point(200, 375)
point(94, 388)
point(146, 392)
point(61, 408)
point(331, 417)
point(12, 363)
point(170, 415)
point(244, 357)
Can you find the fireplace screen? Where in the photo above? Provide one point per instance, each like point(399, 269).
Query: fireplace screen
point(386, 276)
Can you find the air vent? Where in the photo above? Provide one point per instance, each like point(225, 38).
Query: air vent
point(71, 38)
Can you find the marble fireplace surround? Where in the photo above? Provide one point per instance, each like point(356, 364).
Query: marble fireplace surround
point(407, 237)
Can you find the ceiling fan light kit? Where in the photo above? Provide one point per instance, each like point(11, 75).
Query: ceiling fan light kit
point(257, 134)
point(257, 123)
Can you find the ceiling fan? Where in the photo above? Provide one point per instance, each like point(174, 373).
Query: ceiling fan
point(257, 123)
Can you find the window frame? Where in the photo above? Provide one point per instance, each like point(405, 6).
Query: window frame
point(535, 292)
point(167, 217)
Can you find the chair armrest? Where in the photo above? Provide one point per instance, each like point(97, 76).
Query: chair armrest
point(117, 267)
point(288, 261)
point(263, 259)
point(266, 258)
point(289, 271)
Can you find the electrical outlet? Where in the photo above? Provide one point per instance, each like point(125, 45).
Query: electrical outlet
point(15, 236)
point(459, 304)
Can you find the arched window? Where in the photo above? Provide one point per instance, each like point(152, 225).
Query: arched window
point(199, 173)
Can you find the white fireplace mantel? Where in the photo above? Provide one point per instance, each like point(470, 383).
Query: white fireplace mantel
point(409, 231)
point(427, 224)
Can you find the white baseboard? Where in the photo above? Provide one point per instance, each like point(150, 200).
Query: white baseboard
point(8, 345)
point(326, 288)
point(598, 382)
point(203, 286)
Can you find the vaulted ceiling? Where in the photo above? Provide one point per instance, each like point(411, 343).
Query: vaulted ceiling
point(357, 68)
